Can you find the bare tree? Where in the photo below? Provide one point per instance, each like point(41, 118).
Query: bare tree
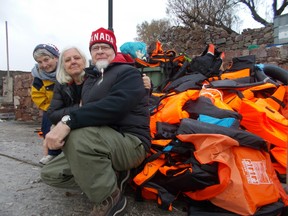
point(220, 13)
point(253, 6)
point(193, 17)
point(278, 11)
point(199, 13)
point(149, 33)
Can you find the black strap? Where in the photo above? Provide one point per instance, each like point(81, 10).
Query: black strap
point(281, 103)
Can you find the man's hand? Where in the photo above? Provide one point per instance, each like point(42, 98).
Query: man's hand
point(55, 138)
point(146, 81)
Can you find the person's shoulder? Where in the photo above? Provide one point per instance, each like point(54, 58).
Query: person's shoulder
point(126, 68)
point(59, 85)
point(48, 84)
point(37, 83)
point(123, 58)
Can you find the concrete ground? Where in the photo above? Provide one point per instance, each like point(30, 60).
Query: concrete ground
point(23, 193)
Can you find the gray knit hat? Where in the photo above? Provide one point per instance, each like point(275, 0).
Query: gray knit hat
point(49, 47)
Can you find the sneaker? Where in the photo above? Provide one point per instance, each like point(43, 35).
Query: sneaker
point(46, 159)
point(114, 205)
point(122, 179)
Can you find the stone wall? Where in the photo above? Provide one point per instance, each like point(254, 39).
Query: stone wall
point(3, 75)
point(193, 42)
point(25, 109)
point(258, 42)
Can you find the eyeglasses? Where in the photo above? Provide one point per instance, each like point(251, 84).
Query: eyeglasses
point(102, 47)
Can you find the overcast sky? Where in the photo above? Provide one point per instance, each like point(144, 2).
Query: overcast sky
point(66, 22)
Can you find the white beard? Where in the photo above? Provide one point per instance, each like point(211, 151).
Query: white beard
point(102, 64)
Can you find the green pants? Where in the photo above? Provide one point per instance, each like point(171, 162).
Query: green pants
point(91, 157)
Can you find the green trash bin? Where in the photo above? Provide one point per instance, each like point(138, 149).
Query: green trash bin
point(155, 74)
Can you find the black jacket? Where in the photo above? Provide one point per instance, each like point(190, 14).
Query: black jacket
point(119, 100)
point(66, 98)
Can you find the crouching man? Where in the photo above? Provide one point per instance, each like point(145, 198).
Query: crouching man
point(109, 133)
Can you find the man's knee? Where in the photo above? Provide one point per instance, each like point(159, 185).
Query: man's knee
point(58, 179)
point(45, 177)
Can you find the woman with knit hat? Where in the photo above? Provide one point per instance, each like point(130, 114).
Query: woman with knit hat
point(44, 73)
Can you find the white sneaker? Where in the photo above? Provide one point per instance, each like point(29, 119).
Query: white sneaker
point(46, 159)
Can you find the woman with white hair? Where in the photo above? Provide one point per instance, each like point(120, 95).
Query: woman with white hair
point(70, 76)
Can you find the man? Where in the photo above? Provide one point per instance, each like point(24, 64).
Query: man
point(109, 133)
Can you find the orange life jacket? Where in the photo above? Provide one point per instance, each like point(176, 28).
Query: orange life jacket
point(247, 180)
point(170, 109)
point(253, 182)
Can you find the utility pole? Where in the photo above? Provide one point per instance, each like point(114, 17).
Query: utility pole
point(110, 15)
point(7, 50)
point(8, 82)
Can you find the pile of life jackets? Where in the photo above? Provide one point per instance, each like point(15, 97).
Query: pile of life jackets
point(219, 137)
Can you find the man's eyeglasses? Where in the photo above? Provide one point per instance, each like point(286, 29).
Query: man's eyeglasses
point(102, 47)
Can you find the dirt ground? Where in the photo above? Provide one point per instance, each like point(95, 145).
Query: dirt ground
point(23, 193)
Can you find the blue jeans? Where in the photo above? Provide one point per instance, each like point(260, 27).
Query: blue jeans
point(45, 128)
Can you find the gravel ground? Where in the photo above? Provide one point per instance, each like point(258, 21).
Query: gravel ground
point(23, 193)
